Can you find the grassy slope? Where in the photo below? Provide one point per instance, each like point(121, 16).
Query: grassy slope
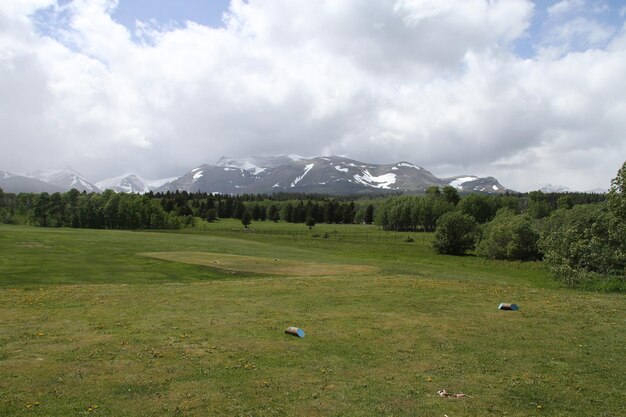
point(211, 342)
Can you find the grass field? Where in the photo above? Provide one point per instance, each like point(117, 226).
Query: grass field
point(117, 323)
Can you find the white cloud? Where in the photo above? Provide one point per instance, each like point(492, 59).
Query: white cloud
point(578, 34)
point(432, 82)
point(566, 6)
point(22, 8)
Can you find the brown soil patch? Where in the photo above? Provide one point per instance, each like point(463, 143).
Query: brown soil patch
point(262, 265)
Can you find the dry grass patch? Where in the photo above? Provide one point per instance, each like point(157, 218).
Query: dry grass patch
point(261, 265)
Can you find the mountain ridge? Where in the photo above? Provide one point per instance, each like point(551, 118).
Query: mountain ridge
point(322, 174)
point(338, 175)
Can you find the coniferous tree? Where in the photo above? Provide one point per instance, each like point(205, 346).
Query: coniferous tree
point(273, 214)
point(246, 218)
point(369, 214)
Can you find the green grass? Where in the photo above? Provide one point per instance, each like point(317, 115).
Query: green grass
point(90, 326)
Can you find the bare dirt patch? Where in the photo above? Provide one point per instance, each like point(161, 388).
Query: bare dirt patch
point(262, 265)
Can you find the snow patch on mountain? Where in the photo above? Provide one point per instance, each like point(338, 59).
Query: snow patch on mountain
point(407, 165)
point(338, 168)
point(458, 183)
point(306, 171)
point(252, 164)
point(249, 166)
point(198, 175)
point(258, 164)
point(382, 181)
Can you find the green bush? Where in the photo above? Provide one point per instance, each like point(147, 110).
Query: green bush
point(509, 236)
point(456, 233)
point(584, 244)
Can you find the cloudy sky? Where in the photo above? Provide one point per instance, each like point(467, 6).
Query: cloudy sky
point(531, 92)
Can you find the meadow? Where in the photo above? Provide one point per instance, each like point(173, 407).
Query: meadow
point(191, 323)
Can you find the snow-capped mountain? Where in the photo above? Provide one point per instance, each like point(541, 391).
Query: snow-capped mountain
point(327, 175)
point(264, 175)
point(66, 179)
point(471, 183)
point(131, 183)
point(549, 188)
point(13, 183)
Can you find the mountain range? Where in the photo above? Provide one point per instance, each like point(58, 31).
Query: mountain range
point(263, 175)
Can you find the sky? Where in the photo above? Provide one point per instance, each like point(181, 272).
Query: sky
point(530, 92)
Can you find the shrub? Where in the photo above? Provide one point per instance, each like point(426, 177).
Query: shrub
point(456, 233)
point(580, 245)
point(509, 236)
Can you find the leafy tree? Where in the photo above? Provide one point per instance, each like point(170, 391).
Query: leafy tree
point(508, 201)
point(617, 194)
point(564, 202)
point(56, 210)
point(580, 246)
point(456, 233)
point(509, 236)
point(40, 208)
point(433, 190)
point(480, 207)
point(617, 206)
point(451, 195)
point(111, 209)
point(168, 204)
point(408, 213)
point(586, 246)
point(538, 205)
point(432, 208)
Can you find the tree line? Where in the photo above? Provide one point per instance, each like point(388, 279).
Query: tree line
point(108, 210)
point(170, 210)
